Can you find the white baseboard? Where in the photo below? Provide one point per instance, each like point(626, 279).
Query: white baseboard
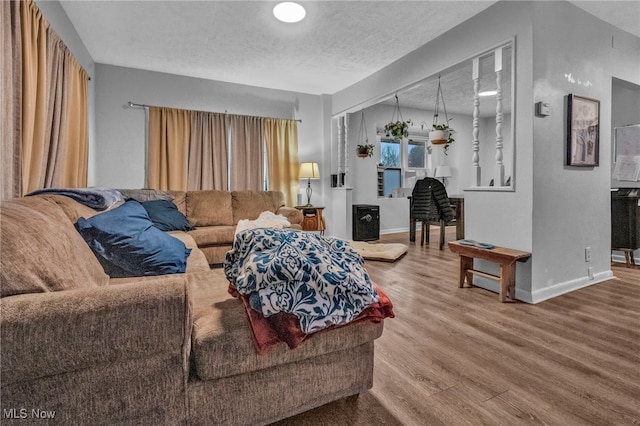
point(619, 258)
point(569, 286)
point(547, 292)
point(394, 230)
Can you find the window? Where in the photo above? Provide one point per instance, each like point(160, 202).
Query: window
point(390, 153)
point(401, 162)
point(416, 154)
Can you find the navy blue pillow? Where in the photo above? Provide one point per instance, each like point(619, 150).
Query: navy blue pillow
point(166, 216)
point(127, 244)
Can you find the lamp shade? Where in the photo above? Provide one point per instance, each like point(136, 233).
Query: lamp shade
point(443, 172)
point(309, 171)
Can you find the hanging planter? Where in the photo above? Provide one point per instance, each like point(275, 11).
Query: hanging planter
point(397, 128)
point(364, 149)
point(440, 135)
point(441, 132)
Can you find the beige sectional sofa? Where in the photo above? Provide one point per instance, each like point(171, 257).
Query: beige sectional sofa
point(171, 349)
point(215, 214)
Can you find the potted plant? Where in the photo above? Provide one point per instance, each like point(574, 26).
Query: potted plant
point(441, 133)
point(364, 151)
point(397, 128)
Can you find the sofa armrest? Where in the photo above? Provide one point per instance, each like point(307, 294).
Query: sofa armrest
point(43, 334)
point(293, 215)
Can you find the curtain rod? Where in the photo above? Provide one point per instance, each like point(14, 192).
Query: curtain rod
point(142, 106)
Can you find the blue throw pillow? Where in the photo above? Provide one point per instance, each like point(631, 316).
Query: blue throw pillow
point(127, 244)
point(166, 216)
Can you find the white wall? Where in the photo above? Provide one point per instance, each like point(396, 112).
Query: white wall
point(121, 130)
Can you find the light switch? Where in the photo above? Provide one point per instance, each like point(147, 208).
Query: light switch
point(543, 109)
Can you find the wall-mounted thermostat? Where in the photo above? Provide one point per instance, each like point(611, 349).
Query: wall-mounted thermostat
point(543, 109)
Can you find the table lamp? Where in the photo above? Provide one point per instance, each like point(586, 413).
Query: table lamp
point(309, 171)
point(443, 172)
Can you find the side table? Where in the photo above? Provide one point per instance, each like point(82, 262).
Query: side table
point(313, 220)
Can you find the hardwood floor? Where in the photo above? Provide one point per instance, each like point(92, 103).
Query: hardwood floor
point(459, 357)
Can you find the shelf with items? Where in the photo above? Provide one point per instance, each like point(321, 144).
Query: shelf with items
point(388, 178)
point(380, 182)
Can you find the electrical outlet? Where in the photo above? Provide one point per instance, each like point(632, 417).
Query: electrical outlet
point(590, 272)
point(587, 254)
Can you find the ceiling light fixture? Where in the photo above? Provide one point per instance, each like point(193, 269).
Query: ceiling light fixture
point(289, 12)
point(488, 93)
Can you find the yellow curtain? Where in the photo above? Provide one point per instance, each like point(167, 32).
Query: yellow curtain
point(54, 108)
point(11, 84)
point(281, 137)
point(168, 148)
point(74, 128)
point(34, 95)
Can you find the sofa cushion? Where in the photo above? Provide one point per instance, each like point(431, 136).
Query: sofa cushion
point(213, 235)
point(180, 200)
point(41, 251)
point(166, 216)
point(209, 207)
point(222, 343)
point(73, 209)
point(197, 261)
point(127, 244)
point(249, 204)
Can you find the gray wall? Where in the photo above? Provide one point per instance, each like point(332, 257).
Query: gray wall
point(572, 204)
point(121, 130)
point(555, 211)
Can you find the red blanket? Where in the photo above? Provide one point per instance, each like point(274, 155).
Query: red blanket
point(283, 327)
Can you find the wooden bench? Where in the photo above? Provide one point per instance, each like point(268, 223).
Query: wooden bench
point(505, 257)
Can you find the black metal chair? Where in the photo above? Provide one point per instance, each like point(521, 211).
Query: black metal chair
point(430, 206)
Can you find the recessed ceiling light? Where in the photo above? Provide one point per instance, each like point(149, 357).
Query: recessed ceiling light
point(289, 12)
point(488, 93)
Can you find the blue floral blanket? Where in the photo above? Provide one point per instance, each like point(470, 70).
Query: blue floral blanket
point(320, 280)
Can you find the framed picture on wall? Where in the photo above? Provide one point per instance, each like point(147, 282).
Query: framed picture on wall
point(583, 131)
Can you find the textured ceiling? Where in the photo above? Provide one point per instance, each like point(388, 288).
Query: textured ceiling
point(457, 89)
point(338, 44)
